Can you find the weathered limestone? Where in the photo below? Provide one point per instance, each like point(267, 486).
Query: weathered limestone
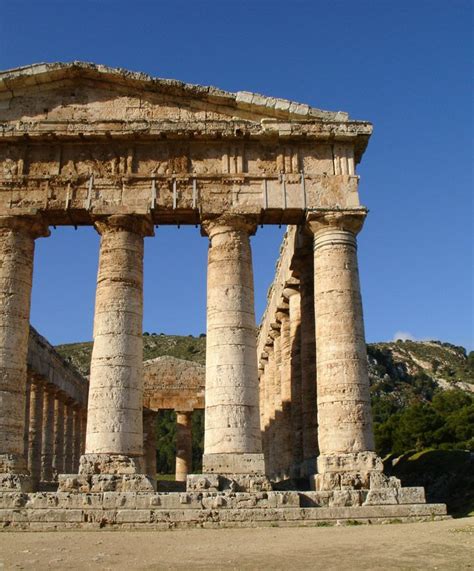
point(35, 437)
point(346, 443)
point(149, 442)
point(47, 444)
point(303, 265)
point(68, 437)
point(232, 440)
point(17, 239)
point(184, 452)
point(58, 457)
point(114, 442)
point(296, 433)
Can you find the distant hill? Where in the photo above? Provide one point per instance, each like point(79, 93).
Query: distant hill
point(401, 367)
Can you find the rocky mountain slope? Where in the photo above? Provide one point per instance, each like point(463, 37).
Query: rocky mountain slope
point(405, 368)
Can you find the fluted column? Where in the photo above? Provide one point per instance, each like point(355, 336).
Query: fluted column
point(149, 441)
point(346, 439)
point(184, 451)
point(285, 432)
point(268, 406)
point(26, 431)
point(114, 441)
point(58, 457)
point(296, 442)
point(76, 443)
point(35, 436)
point(232, 439)
point(304, 268)
point(275, 424)
point(68, 437)
point(17, 241)
point(47, 444)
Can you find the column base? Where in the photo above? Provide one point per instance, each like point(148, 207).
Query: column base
point(14, 475)
point(230, 472)
point(355, 471)
point(107, 473)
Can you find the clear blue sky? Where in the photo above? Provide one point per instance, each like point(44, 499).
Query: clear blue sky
point(403, 65)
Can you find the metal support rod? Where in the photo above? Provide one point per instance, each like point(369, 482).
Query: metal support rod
point(265, 194)
point(90, 186)
point(153, 193)
point(195, 192)
point(175, 194)
point(303, 189)
point(283, 190)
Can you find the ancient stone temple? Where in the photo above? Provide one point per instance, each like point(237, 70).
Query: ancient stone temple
point(82, 144)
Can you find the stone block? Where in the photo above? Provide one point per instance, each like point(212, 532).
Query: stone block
point(203, 482)
point(15, 482)
point(233, 463)
point(73, 483)
point(411, 495)
point(385, 496)
point(133, 516)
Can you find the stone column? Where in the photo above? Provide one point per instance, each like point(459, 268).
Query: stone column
point(275, 423)
point(149, 442)
point(47, 444)
point(114, 441)
point(268, 405)
point(83, 430)
point(17, 240)
point(296, 447)
point(35, 436)
point(347, 458)
point(304, 269)
point(68, 436)
point(77, 434)
point(232, 439)
point(58, 458)
point(184, 451)
point(26, 431)
point(285, 432)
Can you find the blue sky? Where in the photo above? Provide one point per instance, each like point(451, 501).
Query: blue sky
point(403, 65)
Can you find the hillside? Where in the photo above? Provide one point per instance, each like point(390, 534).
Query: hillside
point(406, 368)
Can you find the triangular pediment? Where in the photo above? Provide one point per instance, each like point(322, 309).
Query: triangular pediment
point(87, 92)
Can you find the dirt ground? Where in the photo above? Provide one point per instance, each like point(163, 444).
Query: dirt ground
point(434, 545)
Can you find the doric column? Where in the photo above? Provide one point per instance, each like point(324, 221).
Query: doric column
point(47, 444)
point(149, 442)
point(58, 458)
point(114, 441)
point(68, 436)
point(17, 240)
point(296, 447)
point(232, 439)
point(285, 431)
point(304, 269)
point(184, 451)
point(35, 436)
point(83, 429)
point(346, 440)
point(268, 405)
point(26, 431)
point(275, 439)
point(77, 435)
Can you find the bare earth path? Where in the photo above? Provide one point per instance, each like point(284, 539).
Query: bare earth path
point(434, 545)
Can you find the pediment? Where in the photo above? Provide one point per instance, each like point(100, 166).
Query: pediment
point(79, 92)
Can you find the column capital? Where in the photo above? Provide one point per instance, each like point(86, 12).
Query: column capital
point(228, 223)
point(345, 220)
point(141, 225)
point(33, 225)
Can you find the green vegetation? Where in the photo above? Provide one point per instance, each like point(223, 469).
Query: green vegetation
point(446, 475)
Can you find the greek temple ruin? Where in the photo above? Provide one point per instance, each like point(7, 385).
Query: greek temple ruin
point(83, 144)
